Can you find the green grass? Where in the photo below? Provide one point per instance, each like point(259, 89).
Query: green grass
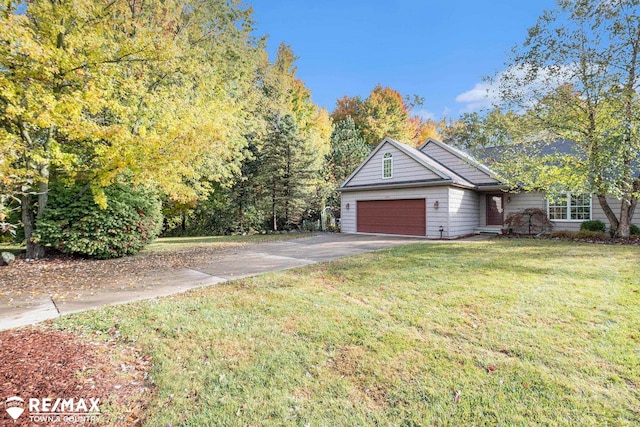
point(177, 243)
point(529, 332)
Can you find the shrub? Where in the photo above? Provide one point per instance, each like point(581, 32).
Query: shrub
point(582, 234)
point(634, 230)
point(595, 225)
point(591, 235)
point(333, 228)
point(529, 221)
point(74, 224)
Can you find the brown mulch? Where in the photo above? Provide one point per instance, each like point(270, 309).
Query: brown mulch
point(44, 363)
point(632, 241)
point(41, 362)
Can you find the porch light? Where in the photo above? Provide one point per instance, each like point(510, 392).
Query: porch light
point(436, 204)
point(508, 199)
point(347, 206)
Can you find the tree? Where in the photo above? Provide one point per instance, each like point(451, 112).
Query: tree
point(386, 114)
point(491, 128)
point(349, 107)
point(348, 150)
point(298, 134)
point(94, 91)
point(427, 128)
point(286, 170)
point(577, 71)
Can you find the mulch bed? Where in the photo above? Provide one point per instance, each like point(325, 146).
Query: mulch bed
point(43, 363)
point(634, 240)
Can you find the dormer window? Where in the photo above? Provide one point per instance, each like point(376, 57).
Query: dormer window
point(387, 165)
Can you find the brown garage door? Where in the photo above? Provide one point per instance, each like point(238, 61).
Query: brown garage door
point(392, 216)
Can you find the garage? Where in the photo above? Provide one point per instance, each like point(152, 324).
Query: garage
point(405, 216)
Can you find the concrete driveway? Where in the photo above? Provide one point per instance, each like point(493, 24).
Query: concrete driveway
point(249, 260)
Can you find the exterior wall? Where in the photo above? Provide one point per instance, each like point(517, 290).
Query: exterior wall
point(435, 217)
point(404, 169)
point(521, 201)
point(464, 206)
point(459, 166)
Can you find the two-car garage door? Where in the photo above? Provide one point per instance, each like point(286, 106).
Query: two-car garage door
point(406, 216)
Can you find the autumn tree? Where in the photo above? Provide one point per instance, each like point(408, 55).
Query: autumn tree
point(98, 92)
point(578, 71)
point(386, 113)
point(349, 107)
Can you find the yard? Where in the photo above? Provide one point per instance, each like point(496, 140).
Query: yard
point(503, 332)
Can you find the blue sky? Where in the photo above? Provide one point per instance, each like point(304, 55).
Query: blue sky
point(439, 50)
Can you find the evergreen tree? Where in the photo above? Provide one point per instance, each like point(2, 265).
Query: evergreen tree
point(348, 150)
point(286, 171)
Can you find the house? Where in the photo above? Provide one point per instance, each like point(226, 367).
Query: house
point(438, 191)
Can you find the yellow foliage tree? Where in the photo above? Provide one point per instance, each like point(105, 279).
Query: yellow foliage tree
point(152, 92)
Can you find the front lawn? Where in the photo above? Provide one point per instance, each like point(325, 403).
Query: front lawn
point(504, 332)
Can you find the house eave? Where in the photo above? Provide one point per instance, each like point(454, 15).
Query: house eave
point(405, 184)
point(492, 187)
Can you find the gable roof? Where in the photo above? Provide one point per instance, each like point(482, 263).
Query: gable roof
point(465, 157)
point(540, 148)
point(444, 174)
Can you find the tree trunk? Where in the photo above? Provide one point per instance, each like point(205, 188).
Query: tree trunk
point(624, 226)
point(287, 187)
point(611, 216)
point(626, 214)
point(29, 220)
point(273, 208)
point(34, 251)
point(241, 217)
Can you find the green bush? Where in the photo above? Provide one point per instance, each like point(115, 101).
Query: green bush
point(634, 230)
point(595, 225)
point(74, 224)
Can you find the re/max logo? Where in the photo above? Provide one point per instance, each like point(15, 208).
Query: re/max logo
point(59, 405)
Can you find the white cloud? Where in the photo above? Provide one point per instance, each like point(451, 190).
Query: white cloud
point(530, 86)
point(483, 95)
point(424, 114)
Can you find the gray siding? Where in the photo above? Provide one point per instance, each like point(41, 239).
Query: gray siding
point(459, 166)
point(522, 201)
point(404, 169)
point(464, 206)
point(435, 217)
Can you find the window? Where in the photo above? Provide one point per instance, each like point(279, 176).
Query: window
point(570, 207)
point(387, 165)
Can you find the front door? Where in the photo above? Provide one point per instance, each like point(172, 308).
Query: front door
point(495, 209)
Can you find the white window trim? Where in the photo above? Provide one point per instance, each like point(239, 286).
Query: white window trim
point(384, 160)
point(568, 194)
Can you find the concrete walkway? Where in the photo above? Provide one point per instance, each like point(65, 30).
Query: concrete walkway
point(243, 262)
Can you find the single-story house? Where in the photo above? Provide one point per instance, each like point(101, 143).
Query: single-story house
point(438, 191)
